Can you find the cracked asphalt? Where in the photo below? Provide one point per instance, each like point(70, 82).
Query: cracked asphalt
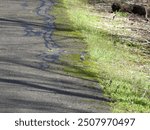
point(31, 78)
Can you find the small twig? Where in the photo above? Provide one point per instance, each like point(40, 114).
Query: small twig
point(144, 93)
point(114, 16)
point(147, 41)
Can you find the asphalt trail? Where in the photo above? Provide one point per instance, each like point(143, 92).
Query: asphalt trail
point(31, 76)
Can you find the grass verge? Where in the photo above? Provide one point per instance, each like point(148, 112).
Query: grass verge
point(123, 75)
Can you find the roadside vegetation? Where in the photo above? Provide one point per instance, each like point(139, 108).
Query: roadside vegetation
point(119, 65)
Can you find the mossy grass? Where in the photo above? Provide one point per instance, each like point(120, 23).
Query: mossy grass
point(122, 74)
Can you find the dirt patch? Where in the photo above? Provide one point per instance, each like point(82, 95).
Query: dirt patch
point(132, 27)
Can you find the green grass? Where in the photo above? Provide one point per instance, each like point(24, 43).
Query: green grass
point(123, 74)
point(123, 14)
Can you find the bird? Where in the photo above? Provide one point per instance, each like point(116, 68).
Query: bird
point(82, 56)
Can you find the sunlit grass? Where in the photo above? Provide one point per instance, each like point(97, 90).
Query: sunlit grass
point(123, 75)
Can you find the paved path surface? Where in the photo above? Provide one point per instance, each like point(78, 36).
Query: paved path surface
point(30, 78)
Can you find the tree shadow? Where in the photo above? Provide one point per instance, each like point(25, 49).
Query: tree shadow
point(54, 90)
point(36, 106)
